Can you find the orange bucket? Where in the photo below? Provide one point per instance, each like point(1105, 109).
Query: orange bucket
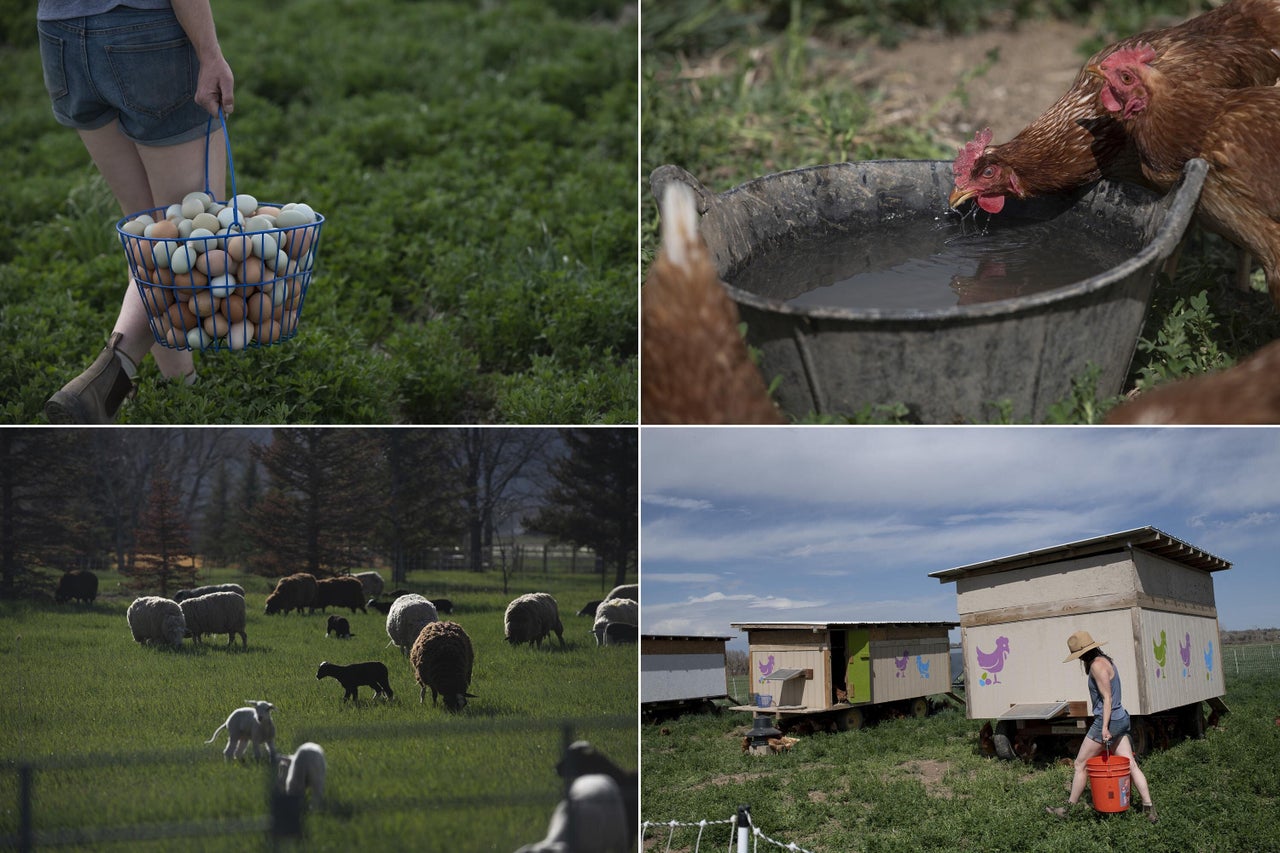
point(1109, 782)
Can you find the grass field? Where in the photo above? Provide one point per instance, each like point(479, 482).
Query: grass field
point(476, 166)
point(85, 701)
point(921, 785)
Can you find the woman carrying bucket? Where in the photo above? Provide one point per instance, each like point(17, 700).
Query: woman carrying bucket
point(1110, 721)
point(137, 81)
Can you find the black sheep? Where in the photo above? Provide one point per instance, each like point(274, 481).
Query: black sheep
point(618, 633)
point(383, 607)
point(368, 674)
point(80, 584)
point(589, 609)
point(338, 625)
point(443, 605)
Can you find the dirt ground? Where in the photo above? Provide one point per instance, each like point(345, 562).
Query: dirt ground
point(1038, 61)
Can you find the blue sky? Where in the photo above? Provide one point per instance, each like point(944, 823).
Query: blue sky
point(845, 524)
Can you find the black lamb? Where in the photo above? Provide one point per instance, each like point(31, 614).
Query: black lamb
point(368, 674)
point(443, 605)
point(338, 625)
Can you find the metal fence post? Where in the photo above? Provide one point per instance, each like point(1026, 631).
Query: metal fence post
point(26, 827)
point(744, 824)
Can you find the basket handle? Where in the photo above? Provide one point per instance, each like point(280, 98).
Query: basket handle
point(231, 169)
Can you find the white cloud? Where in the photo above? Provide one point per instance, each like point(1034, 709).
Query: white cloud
point(682, 577)
point(676, 503)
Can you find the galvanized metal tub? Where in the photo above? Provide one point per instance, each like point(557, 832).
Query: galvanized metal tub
point(947, 365)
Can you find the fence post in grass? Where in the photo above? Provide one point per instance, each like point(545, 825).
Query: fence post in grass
point(26, 828)
point(744, 827)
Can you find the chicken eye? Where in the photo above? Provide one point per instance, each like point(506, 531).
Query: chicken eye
point(1126, 78)
point(989, 172)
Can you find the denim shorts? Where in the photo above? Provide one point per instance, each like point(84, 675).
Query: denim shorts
point(1119, 728)
point(128, 64)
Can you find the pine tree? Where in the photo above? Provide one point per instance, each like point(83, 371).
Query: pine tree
point(164, 556)
point(593, 503)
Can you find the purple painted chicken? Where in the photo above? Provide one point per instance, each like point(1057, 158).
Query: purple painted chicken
point(901, 664)
point(766, 667)
point(1185, 652)
point(993, 662)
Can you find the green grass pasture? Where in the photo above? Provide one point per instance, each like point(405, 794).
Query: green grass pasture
point(117, 730)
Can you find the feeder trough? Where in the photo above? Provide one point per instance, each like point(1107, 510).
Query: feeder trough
point(946, 364)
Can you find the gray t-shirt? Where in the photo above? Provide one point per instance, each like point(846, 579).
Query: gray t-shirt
point(59, 10)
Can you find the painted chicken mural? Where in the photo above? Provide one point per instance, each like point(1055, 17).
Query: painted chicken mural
point(1161, 650)
point(922, 666)
point(992, 662)
point(901, 664)
point(1184, 651)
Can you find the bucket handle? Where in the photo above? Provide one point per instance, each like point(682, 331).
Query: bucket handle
point(231, 168)
point(664, 175)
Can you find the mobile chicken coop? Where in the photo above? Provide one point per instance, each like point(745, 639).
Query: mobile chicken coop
point(1146, 596)
point(832, 675)
point(681, 673)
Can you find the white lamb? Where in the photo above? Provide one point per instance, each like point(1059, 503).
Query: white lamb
point(304, 770)
point(408, 614)
point(591, 819)
point(623, 610)
point(251, 723)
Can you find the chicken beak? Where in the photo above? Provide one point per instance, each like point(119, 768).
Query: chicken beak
point(959, 197)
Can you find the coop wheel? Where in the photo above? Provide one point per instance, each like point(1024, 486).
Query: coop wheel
point(919, 707)
point(850, 720)
point(1193, 721)
point(1142, 736)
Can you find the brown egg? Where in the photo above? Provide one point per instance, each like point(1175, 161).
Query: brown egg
point(267, 332)
point(216, 325)
point(165, 229)
point(254, 270)
point(238, 247)
point(176, 339)
point(139, 252)
point(259, 308)
point(213, 263)
point(181, 318)
point(156, 299)
point(203, 303)
point(233, 307)
point(187, 280)
point(301, 240)
point(267, 210)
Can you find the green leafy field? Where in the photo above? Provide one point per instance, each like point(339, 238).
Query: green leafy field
point(921, 785)
point(79, 689)
point(476, 165)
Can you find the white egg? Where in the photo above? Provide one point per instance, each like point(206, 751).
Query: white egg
point(226, 216)
point(162, 251)
point(198, 338)
point(181, 259)
point(246, 204)
point(202, 240)
point(240, 335)
point(192, 206)
point(222, 286)
point(136, 227)
point(281, 262)
point(264, 245)
point(174, 211)
point(293, 217)
point(259, 223)
point(185, 227)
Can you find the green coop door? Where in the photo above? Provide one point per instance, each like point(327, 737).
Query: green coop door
point(857, 675)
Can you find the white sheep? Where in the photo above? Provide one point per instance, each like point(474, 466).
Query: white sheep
point(624, 610)
point(155, 619)
point(531, 617)
point(406, 619)
point(592, 818)
point(251, 723)
point(183, 594)
point(626, 590)
point(304, 770)
point(216, 613)
point(371, 582)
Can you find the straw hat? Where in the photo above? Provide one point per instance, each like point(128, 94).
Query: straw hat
point(1079, 643)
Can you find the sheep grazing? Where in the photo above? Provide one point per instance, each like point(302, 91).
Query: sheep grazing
point(370, 583)
point(338, 625)
point(443, 605)
point(406, 619)
point(441, 659)
point(600, 813)
point(215, 613)
point(589, 609)
point(619, 633)
point(292, 592)
point(383, 607)
point(626, 590)
point(249, 724)
point(354, 676)
point(78, 584)
point(156, 620)
point(339, 592)
point(624, 610)
point(183, 594)
point(303, 771)
point(531, 617)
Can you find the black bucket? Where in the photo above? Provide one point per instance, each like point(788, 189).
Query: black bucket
point(947, 365)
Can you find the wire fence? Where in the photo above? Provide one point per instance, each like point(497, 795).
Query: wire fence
point(283, 817)
point(743, 835)
point(1254, 659)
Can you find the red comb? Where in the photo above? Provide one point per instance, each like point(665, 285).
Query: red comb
point(969, 154)
point(1141, 53)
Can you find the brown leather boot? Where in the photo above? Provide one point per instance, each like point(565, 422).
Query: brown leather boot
point(94, 396)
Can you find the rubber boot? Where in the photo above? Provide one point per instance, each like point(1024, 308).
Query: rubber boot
point(95, 396)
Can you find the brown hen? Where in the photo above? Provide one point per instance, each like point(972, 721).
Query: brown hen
point(695, 368)
point(1171, 117)
point(1075, 141)
point(1248, 393)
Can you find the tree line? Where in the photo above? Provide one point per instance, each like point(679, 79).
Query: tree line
point(322, 500)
